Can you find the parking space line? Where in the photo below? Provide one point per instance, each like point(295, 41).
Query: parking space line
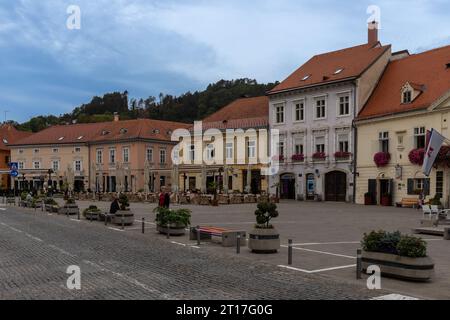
point(322, 252)
point(140, 221)
point(320, 243)
point(115, 229)
point(292, 268)
point(317, 270)
point(178, 243)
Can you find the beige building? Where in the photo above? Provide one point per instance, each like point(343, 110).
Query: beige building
point(413, 96)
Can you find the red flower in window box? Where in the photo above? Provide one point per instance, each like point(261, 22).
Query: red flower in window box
point(342, 155)
point(298, 157)
point(416, 156)
point(381, 159)
point(319, 156)
point(278, 158)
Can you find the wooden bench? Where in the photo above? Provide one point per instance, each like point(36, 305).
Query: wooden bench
point(226, 237)
point(409, 203)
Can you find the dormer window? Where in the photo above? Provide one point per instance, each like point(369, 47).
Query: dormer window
point(80, 137)
point(155, 131)
point(339, 71)
point(407, 96)
point(306, 77)
point(123, 131)
point(5, 141)
point(61, 139)
point(105, 132)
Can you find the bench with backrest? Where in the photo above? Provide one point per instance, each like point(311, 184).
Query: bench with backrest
point(409, 203)
point(227, 237)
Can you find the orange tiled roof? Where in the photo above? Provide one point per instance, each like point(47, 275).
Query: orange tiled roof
point(425, 71)
point(104, 132)
point(10, 135)
point(243, 108)
point(321, 68)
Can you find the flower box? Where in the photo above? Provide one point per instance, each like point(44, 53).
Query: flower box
point(298, 158)
point(416, 156)
point(319, 156)
point(340, 155)
point(382, 159)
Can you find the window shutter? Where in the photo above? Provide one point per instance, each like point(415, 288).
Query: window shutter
point(410, 186)
point(426, 187)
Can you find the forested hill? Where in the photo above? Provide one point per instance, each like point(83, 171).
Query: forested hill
point(184, 108)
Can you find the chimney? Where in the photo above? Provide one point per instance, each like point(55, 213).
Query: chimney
point(373, 33)
point(116, 117)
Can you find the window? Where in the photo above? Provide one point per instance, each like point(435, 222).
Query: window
point(112, 156)
point(407, 96)
point(300, 111)
point(417, 186)
point(99, 156)
point(210, 152)
point(320, 109)
point(37, 165)
point(55, 165)
point(251, 149)
point(21, 165)
point(20, 151)
point(229, 150)
point(343, 143)
point(420, 137)
point(281, 149)
point(339, 70)
point(36, 151)
point(384, 141)
point(344, 106)
point(439, 183)
point(78, 166)
point(150, 154)
point(192, 152)
point(77, 149)
point(306, 77)
point(320, 144)
point(126, 155)
point(279, 114)
point(162, 156)
point(298, 147)
point(55, 150)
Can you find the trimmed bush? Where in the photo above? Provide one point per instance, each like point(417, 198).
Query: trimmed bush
point(394, 243)
point(412, 247)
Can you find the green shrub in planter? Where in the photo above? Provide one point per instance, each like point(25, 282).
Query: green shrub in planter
point(164, 216)
point(91, 209)
point(70, 201)
point(50, 202)
point(124, 202)
point(264, 213)
point(412, 247)
point(436, 201)
point(23, 196)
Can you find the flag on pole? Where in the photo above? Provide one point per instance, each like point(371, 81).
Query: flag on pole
point(432, 151)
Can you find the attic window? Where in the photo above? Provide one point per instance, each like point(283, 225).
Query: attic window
point(169, 132)
point(80, 137)
point(123, 131)
point(448, 65)
point(306, 77)
point(61, 139)
point(339, 70)
point(105, 132)
point(407, 96)
point(5, 141)
point(155, 131)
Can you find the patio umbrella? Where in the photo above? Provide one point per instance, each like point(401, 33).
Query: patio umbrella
point(225, 179)
point(175, 178)
point(203, 188)
point(70, 178)
point(249, 179)
point(146, 177)
point(119, 177)
point(93, 177)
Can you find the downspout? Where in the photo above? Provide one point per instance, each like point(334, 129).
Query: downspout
point(355, 144)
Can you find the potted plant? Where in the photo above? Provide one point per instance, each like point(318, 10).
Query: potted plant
point(213, 188)
point(385, 199)
point(50, 204)
point(92, 213)
point(298, 158)
point(397, 255)
point(342, 155)
point(124, 215)
point(70, 207)
point(172, 222)
point(368, 199)
point(23, 199)
point(381, 159)
point(264, 238)
point(416, 156)
point(319, 156)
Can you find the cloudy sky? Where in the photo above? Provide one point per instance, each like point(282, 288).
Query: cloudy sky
point(172, 46)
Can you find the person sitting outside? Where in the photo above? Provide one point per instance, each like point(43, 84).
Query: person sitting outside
point(115, 206)
point(161, 198)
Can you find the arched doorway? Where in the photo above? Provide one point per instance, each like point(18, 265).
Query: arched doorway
point(287, 186)
point(335, 186)
point(310, 186)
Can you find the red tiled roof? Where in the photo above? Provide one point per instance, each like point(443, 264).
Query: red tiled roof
point(244, 108)
point(10, 135)
point(426, 71)
point(237, 123)
point(321, 68)
point(104, 132)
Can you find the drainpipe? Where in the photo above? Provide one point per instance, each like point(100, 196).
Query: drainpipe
point(355, 143)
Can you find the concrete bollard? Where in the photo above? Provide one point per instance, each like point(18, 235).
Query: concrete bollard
point(446, 233)
point(106, 219)
point(358, 264)
point(123, 222)
point(290, 252)
point(78, 214)
point(168, 231)
point(238, 243)
point(143, 225)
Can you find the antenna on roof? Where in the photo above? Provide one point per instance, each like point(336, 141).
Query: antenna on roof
point(6, 112)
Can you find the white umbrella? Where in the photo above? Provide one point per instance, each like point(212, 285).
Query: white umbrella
point(249, 179)
point(93, 177)
point(146, 177)
point(203, 188)
point(70, 177)
point(225, 179)
point(119, 177)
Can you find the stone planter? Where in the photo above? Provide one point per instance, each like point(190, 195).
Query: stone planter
point(174, 230)
point(70, 209)
point(264, 241)
point(92, 215)
point(49, 208)
point(391, 265)
point(128, 217)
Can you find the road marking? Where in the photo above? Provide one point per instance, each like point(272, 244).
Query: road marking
point(33, 237)
point(322, 252)
point(76, 220)
point(140, 221)
point(115, 229)
point(195, 247)
point(394, 296)
point(3, 209)
point(178, 243)
point(320, 243)
point(317, 270)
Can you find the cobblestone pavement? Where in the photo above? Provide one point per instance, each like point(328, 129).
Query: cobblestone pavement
point(36, 249)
